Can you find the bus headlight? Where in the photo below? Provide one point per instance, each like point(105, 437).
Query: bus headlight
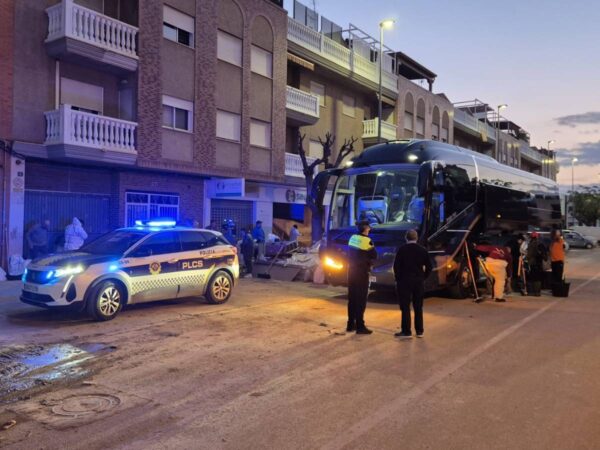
point(332, 263)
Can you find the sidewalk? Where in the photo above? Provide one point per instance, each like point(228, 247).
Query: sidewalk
point(10, 290)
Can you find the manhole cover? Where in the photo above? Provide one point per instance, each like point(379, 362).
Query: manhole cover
point(79, 406)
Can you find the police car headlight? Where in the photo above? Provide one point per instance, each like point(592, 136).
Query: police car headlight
point(331, 263)
point(65, 272)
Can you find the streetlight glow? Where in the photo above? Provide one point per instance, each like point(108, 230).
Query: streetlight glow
point(574, 160)
point(502, 106)
point(387, 24)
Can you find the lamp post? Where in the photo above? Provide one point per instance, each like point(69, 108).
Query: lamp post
point(572, 196)
point(502, 106)
point(384, 24)
point(548, 167)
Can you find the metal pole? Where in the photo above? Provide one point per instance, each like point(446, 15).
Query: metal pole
point(497, 134)
point(380, 107)
point(572, 190)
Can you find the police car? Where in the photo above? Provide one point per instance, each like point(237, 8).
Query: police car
point(154, 260)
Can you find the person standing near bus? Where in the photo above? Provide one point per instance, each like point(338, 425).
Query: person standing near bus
point(412, 266)
point(557, 256)
point(361, 256)
point(536, 254)
point(498, 263)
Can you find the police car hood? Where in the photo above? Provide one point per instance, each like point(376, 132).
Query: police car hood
point(69, 259)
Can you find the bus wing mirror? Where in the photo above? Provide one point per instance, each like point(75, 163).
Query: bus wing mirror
point(431, 177)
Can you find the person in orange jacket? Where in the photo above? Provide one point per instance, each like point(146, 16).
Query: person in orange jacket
point(557, 256)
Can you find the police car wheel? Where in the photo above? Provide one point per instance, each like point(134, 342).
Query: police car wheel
point(106, 301)
point(219, 288)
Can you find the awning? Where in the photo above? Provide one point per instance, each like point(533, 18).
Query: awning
point(301, 62)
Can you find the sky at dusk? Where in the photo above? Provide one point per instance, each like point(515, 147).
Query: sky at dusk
point(541, 57)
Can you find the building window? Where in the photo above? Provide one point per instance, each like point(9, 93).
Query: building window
point(178, 27)
point(261, 62)
point(260, 133)
point(408, 121)
point(146, 205)
point(229, 126)
point(229, 48)
point(318, 90)
point(420, 126)
point(444, 134)
point(435, 132)
point(348, 104)
point(177, 114)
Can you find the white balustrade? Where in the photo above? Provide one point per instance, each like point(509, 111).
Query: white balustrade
point(293, 165)
point(370, 130)
point(531, 154)
point(68, 19)
point(69, 126)
point(302, 102)
point(339, 54)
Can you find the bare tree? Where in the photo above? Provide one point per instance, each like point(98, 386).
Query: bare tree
point(315, 195)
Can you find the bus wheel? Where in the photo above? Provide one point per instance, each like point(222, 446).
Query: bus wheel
point(463, 285)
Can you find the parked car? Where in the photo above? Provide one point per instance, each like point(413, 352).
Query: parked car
point(576, 240)
point(153, 261)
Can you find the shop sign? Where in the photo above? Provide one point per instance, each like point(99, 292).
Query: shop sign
point(228, 187)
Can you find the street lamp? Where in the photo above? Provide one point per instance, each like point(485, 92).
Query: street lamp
point(572, 196)
point(383, 25)
point(550, 160)
point(502, 106)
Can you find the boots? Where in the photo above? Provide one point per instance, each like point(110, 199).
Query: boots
point(351, 326)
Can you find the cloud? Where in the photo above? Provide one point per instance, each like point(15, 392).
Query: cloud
point(591, 117)
point(587, 153)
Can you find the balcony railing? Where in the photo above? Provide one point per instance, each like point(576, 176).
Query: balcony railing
point(302, 102)
point(370, 130)
point(338, 54)
point(67, 19)
point(68, 126)
point(474, 124)
point(532, 154)
point(293, 165)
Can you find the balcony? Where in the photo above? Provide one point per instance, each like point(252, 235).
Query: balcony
point(84, 36)
point(77, 135)
point(293, 165)
point(472, 125)
point(532, 155)
point(301, 107)
point(341, 57)
point(370, 130)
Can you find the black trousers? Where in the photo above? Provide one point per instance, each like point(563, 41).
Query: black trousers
point(358, 290)
point(248, 261)
point(557, 271)
point(410, 291)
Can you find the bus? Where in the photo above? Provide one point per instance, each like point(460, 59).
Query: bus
point(449, 194)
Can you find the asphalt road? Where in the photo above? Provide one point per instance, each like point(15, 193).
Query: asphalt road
point(274, 369)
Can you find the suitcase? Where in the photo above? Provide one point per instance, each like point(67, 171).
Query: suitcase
point(560, 289)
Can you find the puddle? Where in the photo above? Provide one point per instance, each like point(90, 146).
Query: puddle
point(24, 367)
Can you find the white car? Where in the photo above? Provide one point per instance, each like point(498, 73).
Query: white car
point(153, 261)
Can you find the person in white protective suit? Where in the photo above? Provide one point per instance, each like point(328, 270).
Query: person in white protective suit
point(75, 235)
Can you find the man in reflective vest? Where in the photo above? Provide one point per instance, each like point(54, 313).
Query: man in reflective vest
point(361, 255)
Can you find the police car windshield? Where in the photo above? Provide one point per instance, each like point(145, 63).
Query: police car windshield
point(114, 243)
point(386, 196)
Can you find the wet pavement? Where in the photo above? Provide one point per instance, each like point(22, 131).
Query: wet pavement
point(274, 368)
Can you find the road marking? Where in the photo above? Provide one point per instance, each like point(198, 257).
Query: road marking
point(395, 408)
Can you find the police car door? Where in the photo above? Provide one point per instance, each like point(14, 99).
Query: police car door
point(153, 267)
point(193, 271)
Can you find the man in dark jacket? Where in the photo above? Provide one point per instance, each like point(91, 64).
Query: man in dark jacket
point(411, 267)
point(361, 255)
point(247, 249)
point(536, 254)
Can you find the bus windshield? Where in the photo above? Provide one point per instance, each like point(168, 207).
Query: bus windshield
point(383, 197)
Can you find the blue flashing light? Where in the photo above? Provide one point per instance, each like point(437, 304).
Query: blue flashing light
point(113, 267)
point(49, 274)
point(156, 223)
point(161, 223)
point(24, 276)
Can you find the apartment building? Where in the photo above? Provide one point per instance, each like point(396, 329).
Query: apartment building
point(119, 111)
point(333, 86)
point(481, 128)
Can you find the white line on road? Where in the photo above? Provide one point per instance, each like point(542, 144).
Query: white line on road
point(394, 409)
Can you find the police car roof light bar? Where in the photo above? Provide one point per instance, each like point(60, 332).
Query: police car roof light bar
point(156, 223)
